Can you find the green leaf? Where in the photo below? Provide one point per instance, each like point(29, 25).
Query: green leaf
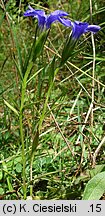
point(67, 50)
point(8, 178)
point(9, 184)
point(35, 142)
point(34, 75)
point(1, 174)
point(46, 100)
point(17, 160)
point(96, 170)
point(18, 168)
point(29, 68)
point(50, 70)
point(91, 57)
point(11, 107)
point(20, 67)
point(95, 188)
point(1, 191)
point(3, 16)
point(37, 49)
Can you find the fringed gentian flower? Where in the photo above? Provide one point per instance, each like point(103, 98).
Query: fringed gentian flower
point(46, 21)
point(79, 28)
point(39, 14)
point(58, 16)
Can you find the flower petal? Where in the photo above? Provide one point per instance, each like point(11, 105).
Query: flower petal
point(54, 16)
point(65, 22)
point(93, 28)
point(59, 13)
point(39, 14)
point(32, 12)
point(78, 28)
point(41, 21)
point(44, 20)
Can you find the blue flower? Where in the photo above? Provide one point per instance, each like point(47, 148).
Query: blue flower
point(79, 28)
point(39, 14)
point(46, 21)
point(58, 16)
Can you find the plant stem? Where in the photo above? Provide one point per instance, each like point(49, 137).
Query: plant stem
point(46, 101)
point(31, 186)
point(24, 85)
point(22, 136)
point(23, 152)
point(34, 146)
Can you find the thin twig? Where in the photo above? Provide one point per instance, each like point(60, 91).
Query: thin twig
point(9, 25)
point(75, 102)
point(97, 151)
point(8, 193)
point(44, 175)
point(74, 66)
point(87, 116)
point(75, 117)
point(57, 125)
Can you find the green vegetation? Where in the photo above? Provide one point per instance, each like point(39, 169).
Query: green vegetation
point(52, 120)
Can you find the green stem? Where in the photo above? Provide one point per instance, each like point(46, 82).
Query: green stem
point(22, 142)
point(31, 186)
point(46, 101)
point(24, 84)
point(43, 175)
point(34, 146)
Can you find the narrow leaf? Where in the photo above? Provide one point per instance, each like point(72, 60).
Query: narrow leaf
point(8, 178)
point(50, 69)
point(46, 100)
point(35, 74)
point(2, 18)
point(18, 51)
point(35, 142)
point(67, 50)
point(37, 49)
point(11, 107)
point(96, 170)
point(27, 73)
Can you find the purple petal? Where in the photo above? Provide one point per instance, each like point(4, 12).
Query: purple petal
point(55, 16)
point(39, 14)
point(48, 20)
point(59, 13)
point(65, 22)
point(93, 28)
point(79, 28)
point(30, 8)
point(41, 21)
point(32, 12)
